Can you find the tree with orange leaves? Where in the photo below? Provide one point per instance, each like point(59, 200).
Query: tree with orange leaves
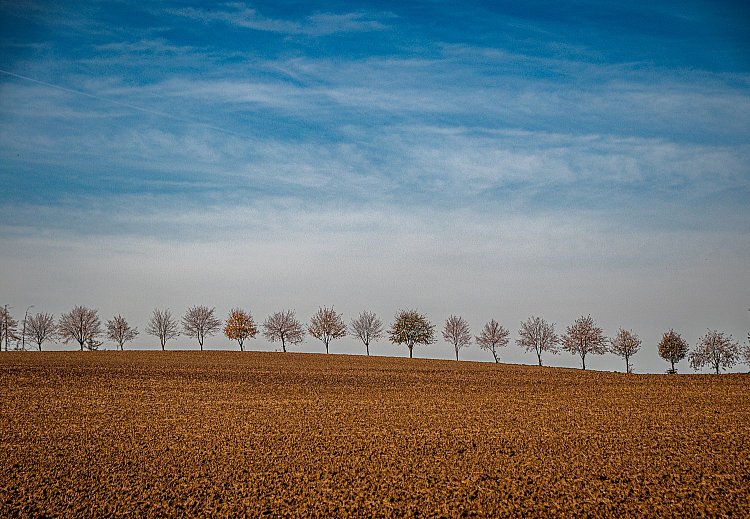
point(240, 326)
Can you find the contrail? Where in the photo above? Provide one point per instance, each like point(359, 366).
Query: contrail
point(120, 103)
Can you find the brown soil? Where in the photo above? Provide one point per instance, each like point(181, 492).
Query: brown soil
point(220, 433)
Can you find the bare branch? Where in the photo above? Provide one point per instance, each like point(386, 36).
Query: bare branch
point(716, 350)
point(283, 326)
point(81, 325)
point(41, 328)
point(584, 337)
point(367, 327)
point(119, 331)
point(456, 332)
point(163, 326)
point(625, 344)
point(538, 335)
point(200, 322)
point(327, 325)
point(8, 327)
point(493, 336)
point(745, 351)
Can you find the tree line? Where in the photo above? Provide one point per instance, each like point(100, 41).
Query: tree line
point(410, 328)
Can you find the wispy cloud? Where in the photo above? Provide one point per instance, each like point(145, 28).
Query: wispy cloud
point(158, 46)
point(318, 24)
point(498, 159)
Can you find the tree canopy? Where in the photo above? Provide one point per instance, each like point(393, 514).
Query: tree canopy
point(493, 336)
point(326, 325)
point(584, 337)
point(240, 326)
point(717, 350)
point(672, 348)
point(411, 328)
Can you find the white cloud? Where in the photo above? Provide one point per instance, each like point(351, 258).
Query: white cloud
point(148, 46)
point(453, 180)
point(390, 163)
point(318, 24)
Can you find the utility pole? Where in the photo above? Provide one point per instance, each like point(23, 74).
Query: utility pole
point(23, 333)
point(5, 325)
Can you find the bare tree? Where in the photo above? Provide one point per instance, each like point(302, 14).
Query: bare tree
point(716, 350)
point(672, 348)
point(625, 344)
point(240, 326)
point(81, 325)
point(584, 337)
point(119, 331)
point(493, 336)
point(8, 327)
point(200, 322)
point(327, 325)
point(163, 326)
point(411, 328)
point(746, 352)
point(367, 327)
point(283, 326)
point(41, 328)
point(539, 336)
point(92, 343)
point(456, 331)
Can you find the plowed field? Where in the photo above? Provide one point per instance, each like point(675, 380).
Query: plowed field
point(220, 433)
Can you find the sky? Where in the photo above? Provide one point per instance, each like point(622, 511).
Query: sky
point(483, 159)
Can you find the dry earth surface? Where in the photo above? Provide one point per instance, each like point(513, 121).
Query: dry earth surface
point(223, 433)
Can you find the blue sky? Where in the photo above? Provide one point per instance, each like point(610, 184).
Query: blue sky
point(489, 159)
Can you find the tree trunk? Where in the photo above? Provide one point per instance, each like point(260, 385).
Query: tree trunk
point(627, 364)
point(81, 343)
point(162, 345)
point(456, 353)
point(23, 331)
point(539, 356)
point(200, 341)
point(283, 345)
point(410, 352)
point(40, 346)
point(717, 368)
point(672, 361)
point(241, 347)
point(367, 347)
point(326, 347)
point(583, 361)
point(496, 359)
